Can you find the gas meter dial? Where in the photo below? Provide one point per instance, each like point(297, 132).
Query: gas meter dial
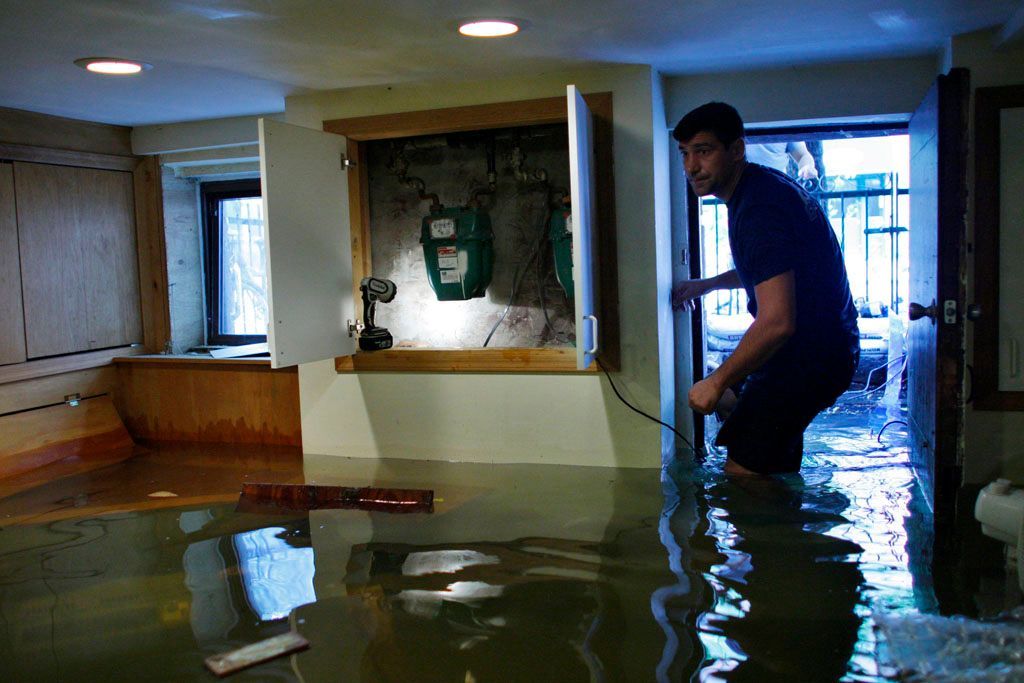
point(442, 229)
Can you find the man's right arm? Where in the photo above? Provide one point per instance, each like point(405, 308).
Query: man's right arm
point(686, 291)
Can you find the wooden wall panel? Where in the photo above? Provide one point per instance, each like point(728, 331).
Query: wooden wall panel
point(12, 329)
point(42, 130)
point(45, 391)
point(152, 255)
point(51, 273)
point(210, 402)
point(39, 437)
point(110, 258)
point(78, 258)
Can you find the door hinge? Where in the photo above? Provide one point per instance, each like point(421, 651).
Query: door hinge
point(346, 163)
point(949, 311)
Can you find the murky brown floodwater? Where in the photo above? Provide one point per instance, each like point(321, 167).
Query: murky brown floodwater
point(522, 573)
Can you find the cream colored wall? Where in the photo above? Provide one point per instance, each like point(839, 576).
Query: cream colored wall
point(993, 440)
point(855, 89)
point(508, 418)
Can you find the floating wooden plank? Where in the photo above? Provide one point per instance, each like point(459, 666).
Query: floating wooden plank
point(250, 655)
point(320, 497)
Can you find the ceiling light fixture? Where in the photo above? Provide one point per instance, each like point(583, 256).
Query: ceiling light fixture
point(112, 66)
point(488, 28)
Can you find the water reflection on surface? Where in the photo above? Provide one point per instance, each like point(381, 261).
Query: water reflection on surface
point(523, 573)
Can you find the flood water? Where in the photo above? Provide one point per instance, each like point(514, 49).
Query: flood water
point(522, 573)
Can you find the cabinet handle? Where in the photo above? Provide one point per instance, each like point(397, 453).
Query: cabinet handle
point(593, 320)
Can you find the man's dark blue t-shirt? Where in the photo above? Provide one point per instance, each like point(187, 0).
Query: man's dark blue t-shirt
point(775, 227)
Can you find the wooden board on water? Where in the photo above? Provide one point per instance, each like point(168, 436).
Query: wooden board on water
point(321, 497)
point(244, 657)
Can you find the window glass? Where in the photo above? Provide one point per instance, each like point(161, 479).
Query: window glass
point(243, 267)
point(236, 263)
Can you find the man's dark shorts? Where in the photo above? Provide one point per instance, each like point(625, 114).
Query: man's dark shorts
point(765, 432)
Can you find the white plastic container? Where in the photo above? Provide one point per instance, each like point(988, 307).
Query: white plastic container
point(1000, 509)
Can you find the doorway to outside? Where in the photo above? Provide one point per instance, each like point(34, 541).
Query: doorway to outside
point(861, 179)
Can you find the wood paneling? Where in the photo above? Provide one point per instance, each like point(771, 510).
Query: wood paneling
point(227, 402)
point(63, 157)
point(450, 120)
point(46, 367)
point(110, 259)
point(12, 329)
point(79, 270)
point(553, 360)
point(30, 128)
point(152, 255)
point(36, 438)
point(46, 391)
point(51, 274)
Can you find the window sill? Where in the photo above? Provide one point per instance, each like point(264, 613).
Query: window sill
point(538, 361)
point(193, 360)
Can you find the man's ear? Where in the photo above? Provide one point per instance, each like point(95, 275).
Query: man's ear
point(738, 149)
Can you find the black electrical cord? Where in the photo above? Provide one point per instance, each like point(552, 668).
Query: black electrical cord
point(517, 278)
point(890, 422)
point(698, 454)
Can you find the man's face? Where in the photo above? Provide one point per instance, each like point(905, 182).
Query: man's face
point(710, 166)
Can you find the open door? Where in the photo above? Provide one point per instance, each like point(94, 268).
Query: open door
point(309, 249)
point(584, 254)
point(935, 340)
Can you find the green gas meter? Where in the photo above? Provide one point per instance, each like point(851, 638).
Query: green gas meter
point(560, 234)
point(458, 248)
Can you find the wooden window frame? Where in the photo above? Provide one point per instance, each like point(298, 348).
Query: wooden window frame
point(552, 110)
point(211, 194)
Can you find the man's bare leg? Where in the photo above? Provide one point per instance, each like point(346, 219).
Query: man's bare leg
point(733, 467)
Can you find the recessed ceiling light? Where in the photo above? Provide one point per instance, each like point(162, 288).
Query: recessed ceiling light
point(488, 28)
point(112, 66)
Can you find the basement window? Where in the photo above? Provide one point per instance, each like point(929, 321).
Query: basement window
point(236, 262)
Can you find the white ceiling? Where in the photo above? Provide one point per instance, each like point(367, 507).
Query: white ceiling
point(220, 58)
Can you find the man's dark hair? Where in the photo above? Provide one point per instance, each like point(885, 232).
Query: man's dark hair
point(718, 118)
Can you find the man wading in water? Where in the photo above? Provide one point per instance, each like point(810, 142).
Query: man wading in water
point(800, 353)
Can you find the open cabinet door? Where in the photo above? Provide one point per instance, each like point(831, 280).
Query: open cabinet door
point(935, 340)
point(309, 250)
point(584, 252)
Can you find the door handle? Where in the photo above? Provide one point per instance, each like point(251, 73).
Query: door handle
point(973, 312)
point(917, 311)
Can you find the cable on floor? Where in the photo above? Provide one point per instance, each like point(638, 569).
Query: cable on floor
point(697, 454)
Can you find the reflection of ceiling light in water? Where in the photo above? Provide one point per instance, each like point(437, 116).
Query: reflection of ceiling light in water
point(112, 66)
point(488, 28)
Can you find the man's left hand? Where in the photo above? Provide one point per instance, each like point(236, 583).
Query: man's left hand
point(704, 396)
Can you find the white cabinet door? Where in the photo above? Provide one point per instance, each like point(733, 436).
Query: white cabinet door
point(584, 216)
point(309, 252)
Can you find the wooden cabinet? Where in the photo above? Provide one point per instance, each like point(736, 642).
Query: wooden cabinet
point(12, 329)
point(309, 259)
point(69, 273)
point(78, 254)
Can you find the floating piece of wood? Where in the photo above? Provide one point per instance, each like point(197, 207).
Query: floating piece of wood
point(320, 497)
point(256, 653)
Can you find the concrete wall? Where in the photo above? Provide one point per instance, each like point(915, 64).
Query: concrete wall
point(994, 440)
point(183, 236)
point(518, 213)
point(513, 417)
